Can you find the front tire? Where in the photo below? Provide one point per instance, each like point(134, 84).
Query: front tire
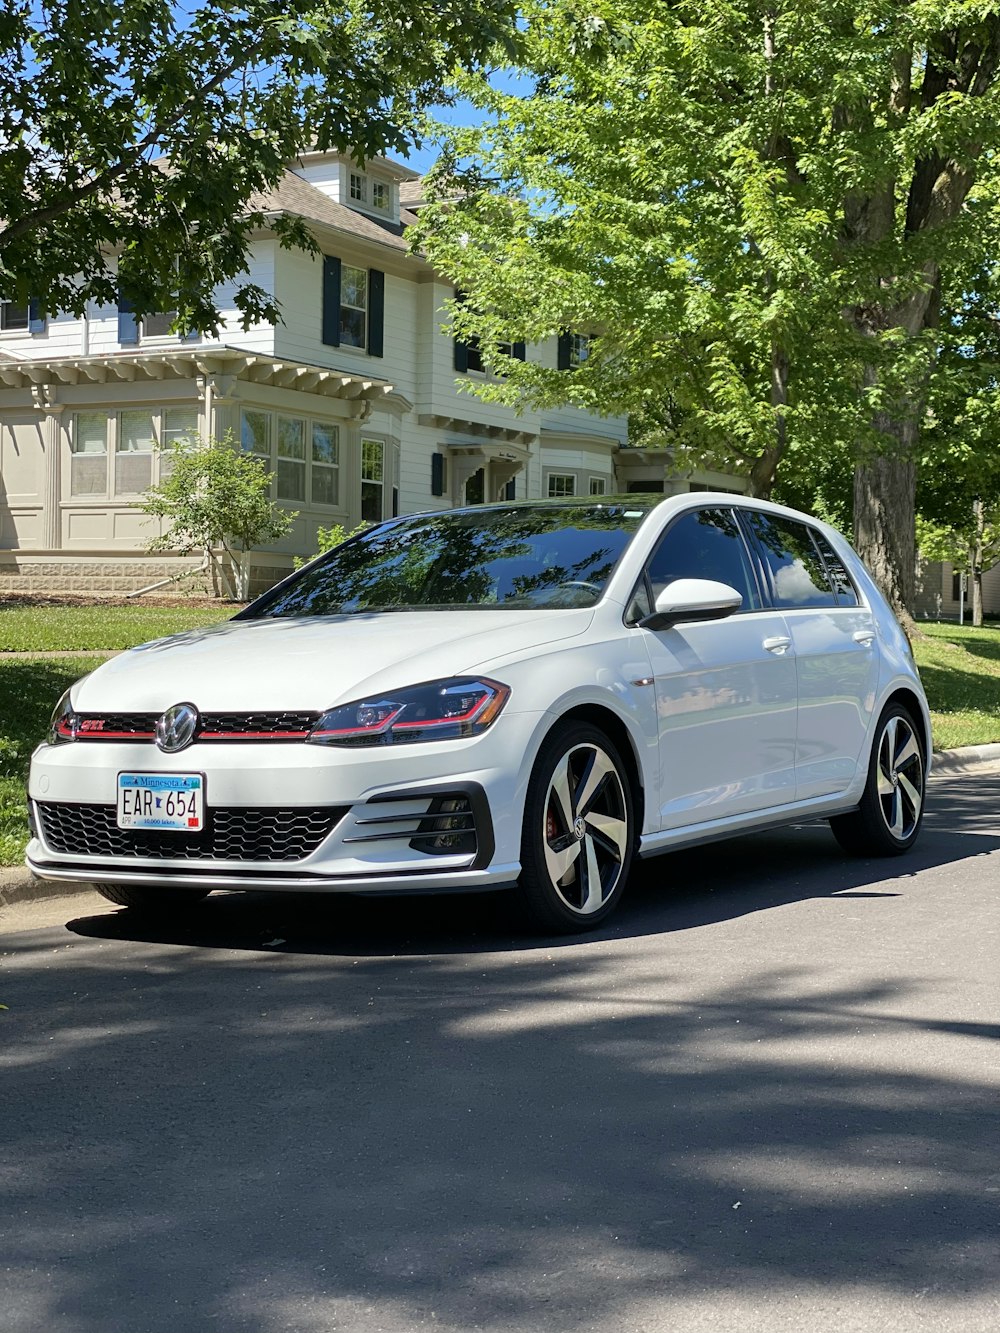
point(888, 818)
point(149, 901)
point(578, 835)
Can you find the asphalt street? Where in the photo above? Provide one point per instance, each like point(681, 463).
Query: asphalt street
point(765, 1098)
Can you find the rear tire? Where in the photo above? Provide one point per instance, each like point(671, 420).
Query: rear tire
point(888, 818)
point(578, 835)
point(149, 901)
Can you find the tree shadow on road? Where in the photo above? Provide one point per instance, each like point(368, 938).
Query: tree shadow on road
point(399, 1114)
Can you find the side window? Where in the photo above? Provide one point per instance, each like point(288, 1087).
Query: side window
point(705, 544)
point(847, 594)
point(797, 573)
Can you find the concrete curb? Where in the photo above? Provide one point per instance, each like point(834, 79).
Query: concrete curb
point(18, 885)
point(950, 763)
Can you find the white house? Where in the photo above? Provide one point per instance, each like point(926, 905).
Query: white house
point(353, 400)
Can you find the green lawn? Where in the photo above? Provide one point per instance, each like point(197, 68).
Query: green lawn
point(960, 670)
point(57, 627)
point(29, 688)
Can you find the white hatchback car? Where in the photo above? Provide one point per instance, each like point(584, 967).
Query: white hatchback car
point(517, 695)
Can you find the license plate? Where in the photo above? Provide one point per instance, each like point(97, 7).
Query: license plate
point(161, 801)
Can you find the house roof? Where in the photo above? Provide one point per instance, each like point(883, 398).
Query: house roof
point(295, 195)
point(412, 191)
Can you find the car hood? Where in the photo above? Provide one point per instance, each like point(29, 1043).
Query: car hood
point(311, 664)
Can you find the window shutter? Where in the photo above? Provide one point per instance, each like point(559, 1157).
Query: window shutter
point(331, 301)
point(128, 325)
point(36, 316)
point(517, 351)
point(461, 348)
point(437, 474)
point(565, 350)
point(376, 310)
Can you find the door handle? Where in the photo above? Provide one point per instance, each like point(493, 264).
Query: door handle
point(778, 644)
point(866, 637)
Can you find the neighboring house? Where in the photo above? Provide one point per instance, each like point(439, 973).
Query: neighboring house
point(353, 400)
point(939, 590)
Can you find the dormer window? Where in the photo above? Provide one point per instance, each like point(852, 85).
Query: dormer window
point(380, 195)
point(359, 187)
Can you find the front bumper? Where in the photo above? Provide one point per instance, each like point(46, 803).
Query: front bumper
point(429, 818)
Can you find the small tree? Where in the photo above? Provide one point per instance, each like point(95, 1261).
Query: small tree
point(327, 538)
point(216, 499)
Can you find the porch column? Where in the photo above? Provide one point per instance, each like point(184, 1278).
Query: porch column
point(44, 398)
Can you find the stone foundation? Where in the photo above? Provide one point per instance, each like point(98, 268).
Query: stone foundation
point(114, 576)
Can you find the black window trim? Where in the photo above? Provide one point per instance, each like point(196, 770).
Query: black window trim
point(858, 603)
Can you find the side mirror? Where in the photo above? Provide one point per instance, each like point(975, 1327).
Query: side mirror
point(693, 599)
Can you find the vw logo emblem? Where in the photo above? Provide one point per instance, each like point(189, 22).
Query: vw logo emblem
point(176, 727)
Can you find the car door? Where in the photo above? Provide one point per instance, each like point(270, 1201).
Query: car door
point(835, 649)
point(725, 689)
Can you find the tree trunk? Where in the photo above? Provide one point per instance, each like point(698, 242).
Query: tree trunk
point(766, 465)
point(976, 564)
point(884, 527)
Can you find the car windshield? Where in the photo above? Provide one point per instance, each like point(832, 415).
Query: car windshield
point(537, 557)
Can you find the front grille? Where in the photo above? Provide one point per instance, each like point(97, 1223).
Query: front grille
point(230, 834)
point(116, 726)
point(212, 726)
point(234, 726)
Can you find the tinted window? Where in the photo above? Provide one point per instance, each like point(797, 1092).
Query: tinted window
point(798, 575)
point(847, 594)
point(531, 557)
point(706, 544)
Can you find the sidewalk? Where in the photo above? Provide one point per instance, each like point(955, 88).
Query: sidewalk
point(18, 885)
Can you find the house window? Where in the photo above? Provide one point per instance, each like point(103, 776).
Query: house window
point(325, 464)
point(561, 484)
point(180, 427)
point(291, 484)
point(353, 306)
point(372, 480)
point(359, 190)
point(474, 356)
point(579, 349)
point(573, 350)
point(132, 438)
point(13, 316)
point(89, 450)
point(307, 455)
point(255, 434)
point(134, 452)
point(598, 485)
point(380, 195)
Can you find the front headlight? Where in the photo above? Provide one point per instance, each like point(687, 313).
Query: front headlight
point(65, 722)
point(440, 710)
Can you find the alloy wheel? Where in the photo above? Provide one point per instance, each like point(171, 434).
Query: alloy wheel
point(586, 832)
point(900, 781)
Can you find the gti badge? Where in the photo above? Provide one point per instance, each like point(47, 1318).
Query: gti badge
point(176, 727)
